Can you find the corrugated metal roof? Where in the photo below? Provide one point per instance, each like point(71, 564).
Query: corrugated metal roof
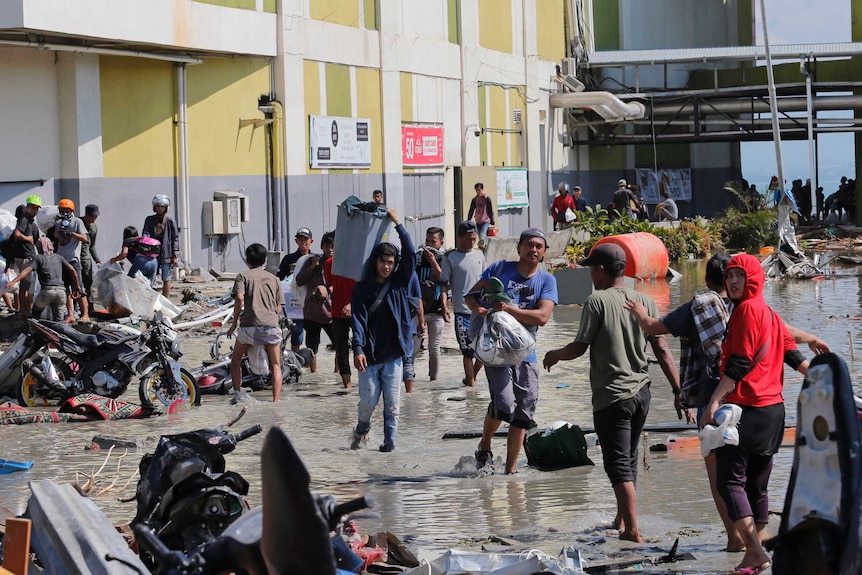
point(616, 58)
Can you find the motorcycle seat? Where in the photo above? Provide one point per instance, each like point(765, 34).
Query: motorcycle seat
point(83, 339)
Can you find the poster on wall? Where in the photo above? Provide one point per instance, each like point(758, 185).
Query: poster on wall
point(422, 146)
point(512, 188)
point(339, 142)
point(677, 182)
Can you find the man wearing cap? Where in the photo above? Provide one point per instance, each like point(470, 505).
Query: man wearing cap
point(303, 241)
point(619, 375)
point(459, 271)
point(88, 249)
point(24, 250)
point(515, 389)
point(562, 202)
point(623, 200)
point(580, 203)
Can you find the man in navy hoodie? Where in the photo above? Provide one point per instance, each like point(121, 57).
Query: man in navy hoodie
point(382, 333)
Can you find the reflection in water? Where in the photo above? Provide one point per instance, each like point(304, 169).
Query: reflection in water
point(419, 498)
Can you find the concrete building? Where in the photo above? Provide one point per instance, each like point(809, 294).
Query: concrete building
point(280, 109)
point(114, 101)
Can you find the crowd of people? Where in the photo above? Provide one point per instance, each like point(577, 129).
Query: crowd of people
point(407, 295)
point(64, 257)
point(720, 362)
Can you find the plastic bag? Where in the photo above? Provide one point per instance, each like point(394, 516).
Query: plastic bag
point(502, 340)
point(724, 432)
point(299, 292)
point(570, 216)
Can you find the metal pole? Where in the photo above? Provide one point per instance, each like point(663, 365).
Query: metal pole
point(812, 162)
point(773, 101)
point(773, 107)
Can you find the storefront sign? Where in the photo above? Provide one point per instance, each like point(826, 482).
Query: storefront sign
point(512, 188)
point(422, 145)
point(339, 142)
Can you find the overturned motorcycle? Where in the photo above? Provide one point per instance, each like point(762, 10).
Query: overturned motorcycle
point(60, 362)
point(214, 375)
point(290, 533)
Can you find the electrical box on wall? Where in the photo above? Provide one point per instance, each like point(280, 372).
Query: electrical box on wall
point(225, 213)
point(213, 218)
point(243, 207)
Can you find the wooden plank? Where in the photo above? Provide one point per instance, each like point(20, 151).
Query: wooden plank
point(16, 546)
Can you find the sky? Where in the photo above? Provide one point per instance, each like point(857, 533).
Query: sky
point(799, 22)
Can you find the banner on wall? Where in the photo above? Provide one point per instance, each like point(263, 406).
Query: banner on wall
point(422, 146)
point(512, 188)
point(339, 142)
point(677, 182)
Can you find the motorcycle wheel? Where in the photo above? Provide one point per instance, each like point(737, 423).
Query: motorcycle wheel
point(30, 390)
point(155, 389)
point(217, 381)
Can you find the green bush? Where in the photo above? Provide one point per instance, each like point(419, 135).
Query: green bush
point(749, 231)
point(698, 238)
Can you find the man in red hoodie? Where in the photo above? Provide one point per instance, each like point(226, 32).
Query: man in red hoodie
point(756, 346)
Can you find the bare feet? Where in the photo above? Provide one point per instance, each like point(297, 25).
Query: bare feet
point(631, 536)
point(408, 386)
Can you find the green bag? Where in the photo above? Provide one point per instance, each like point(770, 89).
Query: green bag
point(558, 449)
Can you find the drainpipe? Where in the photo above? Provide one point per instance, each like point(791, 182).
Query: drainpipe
point(183, 170)
point(277, 111)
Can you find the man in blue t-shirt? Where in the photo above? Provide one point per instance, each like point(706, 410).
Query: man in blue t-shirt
point(515, 389)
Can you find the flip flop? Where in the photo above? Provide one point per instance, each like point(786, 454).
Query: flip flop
point(740, 570)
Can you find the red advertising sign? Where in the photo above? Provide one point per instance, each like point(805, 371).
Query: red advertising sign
point(422, 145)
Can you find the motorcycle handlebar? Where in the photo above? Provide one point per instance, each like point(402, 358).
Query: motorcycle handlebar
point(246, 433)
point(348, 507)
point(163, 555)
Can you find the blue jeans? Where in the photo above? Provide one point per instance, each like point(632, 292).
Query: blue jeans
point(483, 229)
point(147, 266)
point(383, 378)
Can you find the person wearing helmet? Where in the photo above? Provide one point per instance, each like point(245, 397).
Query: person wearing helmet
point(161, 227)
point(24, 240)
point(561, 206)
point(69, 234)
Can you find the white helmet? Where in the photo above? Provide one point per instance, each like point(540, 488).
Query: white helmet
point(161, 200)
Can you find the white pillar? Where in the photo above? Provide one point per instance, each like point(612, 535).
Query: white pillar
point(79, 90)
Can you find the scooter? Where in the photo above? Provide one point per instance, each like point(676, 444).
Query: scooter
point(185, 493)
point(65, 362)
point(214, 375)
point(289, 533)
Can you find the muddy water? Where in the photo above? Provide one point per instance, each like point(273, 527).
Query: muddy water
point(422, 493)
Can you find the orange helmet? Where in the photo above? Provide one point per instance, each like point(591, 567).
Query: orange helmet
point(67, 204)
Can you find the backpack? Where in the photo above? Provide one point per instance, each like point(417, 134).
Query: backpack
point(147, 246)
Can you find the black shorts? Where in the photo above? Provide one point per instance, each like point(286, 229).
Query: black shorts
point(618, 428)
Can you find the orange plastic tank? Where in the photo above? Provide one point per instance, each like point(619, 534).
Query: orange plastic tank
point(646, 254)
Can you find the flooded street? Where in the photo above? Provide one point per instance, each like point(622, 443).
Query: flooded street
point(421, 496)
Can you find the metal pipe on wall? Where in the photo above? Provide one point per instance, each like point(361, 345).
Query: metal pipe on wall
point(183, 203)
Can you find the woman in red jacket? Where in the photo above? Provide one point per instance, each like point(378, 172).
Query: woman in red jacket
point(752, 366)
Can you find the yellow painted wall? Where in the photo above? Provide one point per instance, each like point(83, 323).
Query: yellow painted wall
point(406, 97)
point(495, 25)
point(311, 78)
point(499, 154)
point(245, 4)
point(221, 93)
point(344, 12)
point(369, 105)
point(138, 101)
point(550, 29)
point(483, 113)
point(338, 90)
